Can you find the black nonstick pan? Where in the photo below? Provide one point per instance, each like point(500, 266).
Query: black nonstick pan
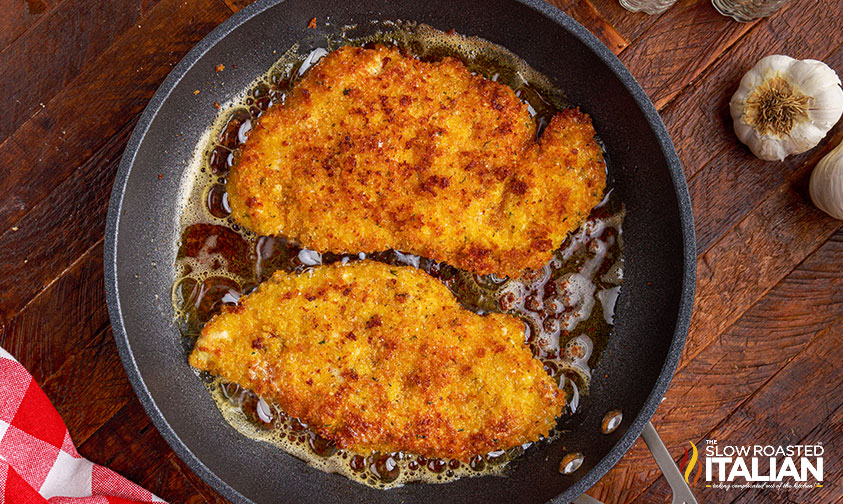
point(652, 313)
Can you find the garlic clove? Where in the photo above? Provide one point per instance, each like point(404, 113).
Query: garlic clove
point(828, 116)
point(773, 63)
point(769, 148)
point(826, 185)
point(785, 106)
point(803, 137)
point(812, 75)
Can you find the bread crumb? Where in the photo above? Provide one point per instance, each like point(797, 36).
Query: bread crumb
point(312, 23)
point(196, 92)
point(220, 67)
point(15, 228)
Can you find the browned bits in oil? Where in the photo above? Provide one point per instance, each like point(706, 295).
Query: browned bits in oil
point(249, 406)
point(320, 446)
point(385, 467)
point(533, 303)
point(216, 247)
point(507, 301)
point(217, 201)
point(208, 297)
point(496, 457)
point(477, 463)
point(436, 465)
point(220, 160)
point(296, 425)
point(235, 129)
point(357, 463)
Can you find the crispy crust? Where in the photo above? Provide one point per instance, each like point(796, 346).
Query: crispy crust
point(379, 357)
point(373, 150)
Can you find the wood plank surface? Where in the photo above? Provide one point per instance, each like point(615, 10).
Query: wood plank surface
point(95, 105)
point(767, 328)
point(675, 49)
point(47, 57)
point(803, 311)
point(18, 17)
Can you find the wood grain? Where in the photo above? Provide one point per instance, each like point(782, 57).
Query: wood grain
point(18, 17)
point(236, 5)
point(66, 317)
point(765, 336)
point(111, 90)
point(685, 40)
point(44, 59)
point(628, 24)
point(698, 119)
point(784, 393)
point(736, 272)
point(829, 432)
point(174, 482)
point(586, 14)
point(127, 443)
point(72, 354)
point(799, 313)
point(60, 227)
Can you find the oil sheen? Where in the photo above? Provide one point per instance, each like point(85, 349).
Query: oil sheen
point(567, 305)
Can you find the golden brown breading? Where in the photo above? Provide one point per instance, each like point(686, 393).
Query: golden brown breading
point(380, 357)
point(373, 150)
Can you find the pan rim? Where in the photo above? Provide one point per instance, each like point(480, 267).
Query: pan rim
point(557, 16)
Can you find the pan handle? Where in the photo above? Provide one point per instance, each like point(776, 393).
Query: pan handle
point(681, 492)
point(586, 499)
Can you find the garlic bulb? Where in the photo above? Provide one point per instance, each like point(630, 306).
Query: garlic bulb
point(785, 106)
point(826, 185)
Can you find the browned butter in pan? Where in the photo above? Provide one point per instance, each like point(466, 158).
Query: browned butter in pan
point(567, 305)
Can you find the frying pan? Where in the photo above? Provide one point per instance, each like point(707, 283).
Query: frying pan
point(652, 313)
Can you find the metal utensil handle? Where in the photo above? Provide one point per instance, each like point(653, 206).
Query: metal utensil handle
point(586, 499)
point(681, 492)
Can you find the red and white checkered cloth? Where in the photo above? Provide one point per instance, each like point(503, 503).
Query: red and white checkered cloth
point(38, 461)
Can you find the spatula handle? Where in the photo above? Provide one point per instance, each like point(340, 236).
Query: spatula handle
point(681, 492)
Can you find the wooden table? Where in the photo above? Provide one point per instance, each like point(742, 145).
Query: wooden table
point(764, 357)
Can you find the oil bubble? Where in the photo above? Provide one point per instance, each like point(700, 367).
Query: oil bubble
point(611, 421)
point(571, 462)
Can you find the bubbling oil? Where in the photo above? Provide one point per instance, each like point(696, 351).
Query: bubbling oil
point(567, 305)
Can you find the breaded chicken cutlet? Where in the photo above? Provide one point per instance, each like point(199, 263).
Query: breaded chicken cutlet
point(373, 150)
point(380, 357)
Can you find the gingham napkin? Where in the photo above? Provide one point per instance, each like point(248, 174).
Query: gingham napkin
point(38, 461)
